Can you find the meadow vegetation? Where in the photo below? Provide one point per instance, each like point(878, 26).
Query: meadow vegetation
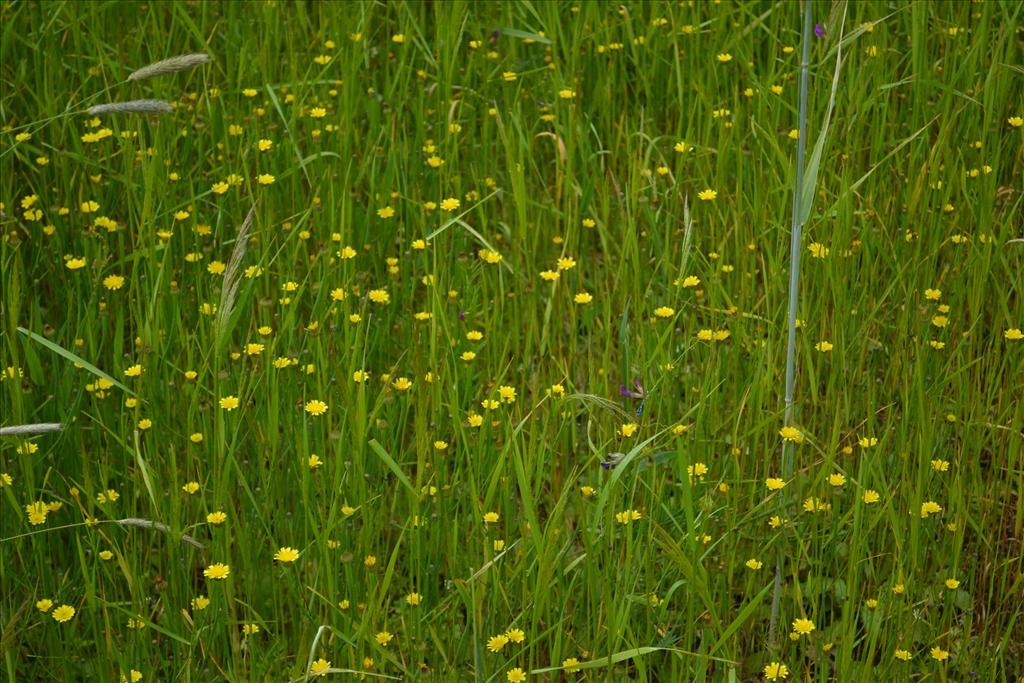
point(447, 341)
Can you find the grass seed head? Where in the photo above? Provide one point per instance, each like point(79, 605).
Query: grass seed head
point(169, 66)
point(132, 107)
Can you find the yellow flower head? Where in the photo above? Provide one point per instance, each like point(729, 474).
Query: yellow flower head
point(286, 555)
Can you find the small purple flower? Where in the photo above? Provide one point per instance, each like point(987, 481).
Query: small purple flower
point(495, 35)
point(462, 316)
point(819, 30)
point(613, 460)
point(639, 393)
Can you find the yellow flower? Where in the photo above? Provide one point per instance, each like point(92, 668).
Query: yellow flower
point(627, 516)
point(515, 635)
point(870, 497)
point(318, 112)
point(628, 429)
point(491, 517)
point(316, 407)
point(264, 145)
point(930, 507)
point(937, 653)
point(218, 517)
point(952, 584)
point(516, 675)
point(64, 613)
point(664, 312)
point(1016, 121)
point(823, 346)
point(583, 298)
point(75, 263)
point(217, 571)
point(402, 384)
point(413, 599)
point(774, 483)
point(1013, 334)
point(495, 643)
point(509, 76)
point(386, 212)
point(707, 195)
point(450, 204)
point(791, 434)
point(691, 281)
point(803, 626)
point(903, 655)
point(286, 555)
point(724, 57)
point(566, 263)
point(754, 564)
point(229, 402)
point(836, 480)
point(113, 282)
point(776, 671)
point(489, 256)
point(265, 179)
point(319, 666)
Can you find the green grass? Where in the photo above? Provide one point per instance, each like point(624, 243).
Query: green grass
point(918, 189)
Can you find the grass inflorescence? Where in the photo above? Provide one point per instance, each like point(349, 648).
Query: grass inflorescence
point(448, 341)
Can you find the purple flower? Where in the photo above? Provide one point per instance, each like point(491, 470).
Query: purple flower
point(613, 460)
point(462, 316)
point(639, 393)
point(819, 30)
